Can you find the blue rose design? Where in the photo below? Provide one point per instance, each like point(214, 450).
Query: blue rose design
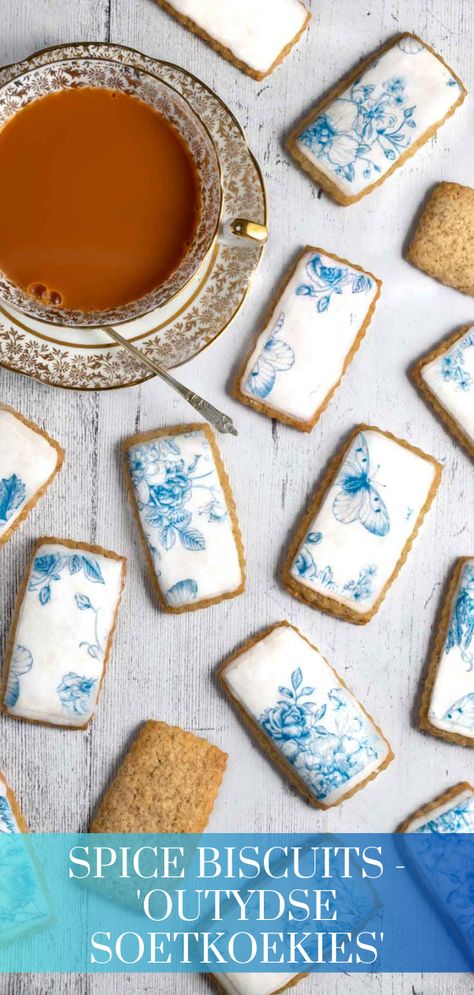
point(45, 565)
point(325, 756)
point(174, 491)
point(286, 721)
point(330, 275)
point(75, 692)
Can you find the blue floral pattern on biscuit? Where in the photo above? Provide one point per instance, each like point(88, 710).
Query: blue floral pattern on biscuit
point(323, 736)
point(452, 366)
point(12, 496)
point(75, 693)
point(459, 819)
point(461, 625)
point(164, 483)
point(306, 566)
point(347, 133)
point(49, 566)
point(326, 280)
point(321, 282)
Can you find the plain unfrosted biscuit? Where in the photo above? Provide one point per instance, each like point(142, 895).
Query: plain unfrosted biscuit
point(168, 783)
point(417, 374)
point(443, 243)
point(230, 51)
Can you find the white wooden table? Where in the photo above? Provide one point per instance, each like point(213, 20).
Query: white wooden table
point(163, 666)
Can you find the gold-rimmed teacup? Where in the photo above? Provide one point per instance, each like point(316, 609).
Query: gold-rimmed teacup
point(211, 226)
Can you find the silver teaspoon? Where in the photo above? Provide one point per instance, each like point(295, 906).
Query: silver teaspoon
point(223, 423)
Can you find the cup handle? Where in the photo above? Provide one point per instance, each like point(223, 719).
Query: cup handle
point(242, 228)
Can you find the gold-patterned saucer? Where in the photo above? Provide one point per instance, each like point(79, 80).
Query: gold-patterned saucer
point(84, 359)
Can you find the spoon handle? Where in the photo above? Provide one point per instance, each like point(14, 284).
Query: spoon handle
point(217, 418)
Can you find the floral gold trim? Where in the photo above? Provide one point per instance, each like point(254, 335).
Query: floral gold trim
point(216, 303)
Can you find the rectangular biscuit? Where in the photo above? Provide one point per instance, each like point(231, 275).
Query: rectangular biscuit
point(29, 462)
point(451, 812)
point(361, 523)
point(314, 327)
point(445, 377)
point(168, 783)
point(186, 512)
point(443, 243)
point(443, 869)
point(255, 37)
point(374, 119)
point(250, 983)
point(11, 818)
point(24, 905)
point(447, 706)
point(302, 712)
point(61, 634)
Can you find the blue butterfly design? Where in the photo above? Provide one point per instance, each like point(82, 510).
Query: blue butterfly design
point(359, 499)
point(276, 356)
point(462, 711)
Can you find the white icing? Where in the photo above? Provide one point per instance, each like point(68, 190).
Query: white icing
point(256, 33)
point(463, 802)
point(330, 734)
point(300, 354)
point(23, 902)
point(184, 515)
point(27, 456)
point(8, 823)
point(450, 377)
point(253, 984)
point(361, 134)
point(453, 689)
point(61, 637)
point(347, 561)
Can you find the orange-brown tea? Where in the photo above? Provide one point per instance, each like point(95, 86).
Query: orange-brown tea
point(100, 198)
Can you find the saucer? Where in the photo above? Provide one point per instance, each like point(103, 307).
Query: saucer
point(84, 359)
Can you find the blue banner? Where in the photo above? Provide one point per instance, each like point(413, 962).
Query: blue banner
point(235, 903)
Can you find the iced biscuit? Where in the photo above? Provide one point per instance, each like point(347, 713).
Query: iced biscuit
point(361, 523)
point(61, 635)
point(451, 812)
point(297, 707)
point(445, 377)
point(11, 819)
point(311, 333)
point(255, 37)
point(374, 119)
point(256, 984)
point(447, 707)
point(29, 462)
point(186, 512)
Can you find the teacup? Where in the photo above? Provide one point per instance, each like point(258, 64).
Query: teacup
point(113, 76)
